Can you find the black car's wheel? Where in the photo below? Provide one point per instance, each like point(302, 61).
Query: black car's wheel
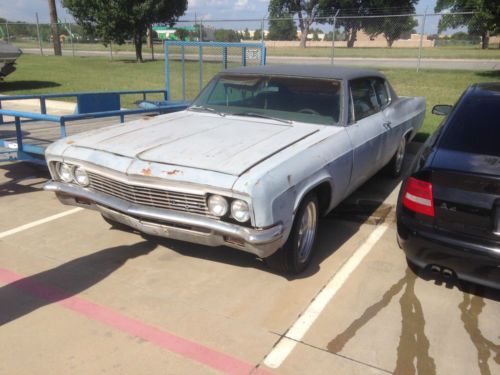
point(395, 166)
point(297, 252)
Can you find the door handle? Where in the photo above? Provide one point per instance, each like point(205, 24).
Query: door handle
point(387, 125)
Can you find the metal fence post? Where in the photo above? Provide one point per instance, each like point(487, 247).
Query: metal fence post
point(333, 35)
point(167, 70)
point(71, 39)
point(183, 62)
point(421, 40)
point(7, 31)
point(262, 32)
point(224, 57)
point(201, 30)
point(200, 64)
point(244, 56)
point(38, 34)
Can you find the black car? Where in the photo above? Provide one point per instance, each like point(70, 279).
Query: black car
point(448, 212)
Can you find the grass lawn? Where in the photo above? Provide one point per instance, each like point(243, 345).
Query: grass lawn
point(49, 74)
point(455, 52)
point(442, 52)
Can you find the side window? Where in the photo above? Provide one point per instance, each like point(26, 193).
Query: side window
point(225, 95)
point(364, 98)
point(381, 91)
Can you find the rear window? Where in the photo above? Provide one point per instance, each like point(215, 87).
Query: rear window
point(475, 127)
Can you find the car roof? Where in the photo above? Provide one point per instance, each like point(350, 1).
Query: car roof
point(310, 71)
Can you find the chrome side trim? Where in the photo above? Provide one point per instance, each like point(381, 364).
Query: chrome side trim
point(248, 235)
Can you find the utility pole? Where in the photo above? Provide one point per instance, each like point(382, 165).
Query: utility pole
point(54, 28)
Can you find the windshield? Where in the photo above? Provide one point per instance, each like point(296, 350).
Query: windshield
point(279, 98)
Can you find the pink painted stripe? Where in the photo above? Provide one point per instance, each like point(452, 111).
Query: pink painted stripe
point(163, 339)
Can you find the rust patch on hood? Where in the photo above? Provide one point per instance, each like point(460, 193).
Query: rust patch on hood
point(146, 171)
point(70, 142)
point(173, 173)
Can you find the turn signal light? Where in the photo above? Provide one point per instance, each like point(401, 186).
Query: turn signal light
point(417, 197)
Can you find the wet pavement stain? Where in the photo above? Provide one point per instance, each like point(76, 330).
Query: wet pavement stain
point(413, 345)
point(470, 308)
point(338, 343)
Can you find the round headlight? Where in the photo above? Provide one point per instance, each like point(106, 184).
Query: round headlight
point(81, 176)
point(240, 210)
point(65, 172)
point(217, 205)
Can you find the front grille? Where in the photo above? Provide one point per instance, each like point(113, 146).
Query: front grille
point(151, 197)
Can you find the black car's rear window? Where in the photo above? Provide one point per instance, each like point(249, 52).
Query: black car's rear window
point(475, 127)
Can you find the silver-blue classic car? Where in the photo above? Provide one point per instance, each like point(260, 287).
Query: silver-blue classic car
point(252, 163)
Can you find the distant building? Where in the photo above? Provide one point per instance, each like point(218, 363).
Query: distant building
point(168, 33)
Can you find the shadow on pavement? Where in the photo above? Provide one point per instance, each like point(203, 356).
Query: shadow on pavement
point(364, 206)
point(24, 296)
point(22, 178)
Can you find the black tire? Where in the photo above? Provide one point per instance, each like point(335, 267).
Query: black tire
point(289, 259)
point(395, 167)
point(116, 225)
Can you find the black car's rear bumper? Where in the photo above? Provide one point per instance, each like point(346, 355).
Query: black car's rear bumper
point(470, 261)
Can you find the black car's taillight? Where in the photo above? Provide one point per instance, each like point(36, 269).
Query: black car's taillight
point(417, 196)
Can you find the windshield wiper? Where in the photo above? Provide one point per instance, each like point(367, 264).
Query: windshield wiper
point(206, 109)
point(261, 115)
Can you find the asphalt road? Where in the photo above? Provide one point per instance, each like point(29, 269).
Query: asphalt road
point(79, 297)
point(425, 63)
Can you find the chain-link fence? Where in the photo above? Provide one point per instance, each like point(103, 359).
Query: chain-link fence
point(402, 40)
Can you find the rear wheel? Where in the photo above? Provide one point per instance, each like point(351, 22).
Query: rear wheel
point(395, 166)
point(297, 252)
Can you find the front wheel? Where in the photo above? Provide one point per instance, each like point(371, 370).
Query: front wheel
point(297, 252)
point(395, 166)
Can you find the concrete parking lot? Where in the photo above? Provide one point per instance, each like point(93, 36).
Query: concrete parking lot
point(79, 297)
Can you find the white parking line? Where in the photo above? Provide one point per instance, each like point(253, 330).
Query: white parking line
point(297, 331)
point(38, 222)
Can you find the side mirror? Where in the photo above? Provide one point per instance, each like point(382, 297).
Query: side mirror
point(441, 109)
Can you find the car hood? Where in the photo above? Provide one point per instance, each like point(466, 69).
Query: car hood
point(230, 145)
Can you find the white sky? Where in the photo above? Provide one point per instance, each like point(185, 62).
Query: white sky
point(24, 10)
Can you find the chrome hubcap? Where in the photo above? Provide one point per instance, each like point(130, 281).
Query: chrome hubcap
point(400, 154)
point(307, 232)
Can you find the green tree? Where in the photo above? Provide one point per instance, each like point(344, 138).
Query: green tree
point(484, 22)
point(226, 35)
point(257, 34)
point(353, 10)
point(282, 29)
point(307, 12)
point(118, 20)
point(392, 28)
point(182, 34)
point(246, 34)
point(355, 17)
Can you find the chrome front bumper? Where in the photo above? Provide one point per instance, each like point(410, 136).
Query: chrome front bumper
point(173, 224)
